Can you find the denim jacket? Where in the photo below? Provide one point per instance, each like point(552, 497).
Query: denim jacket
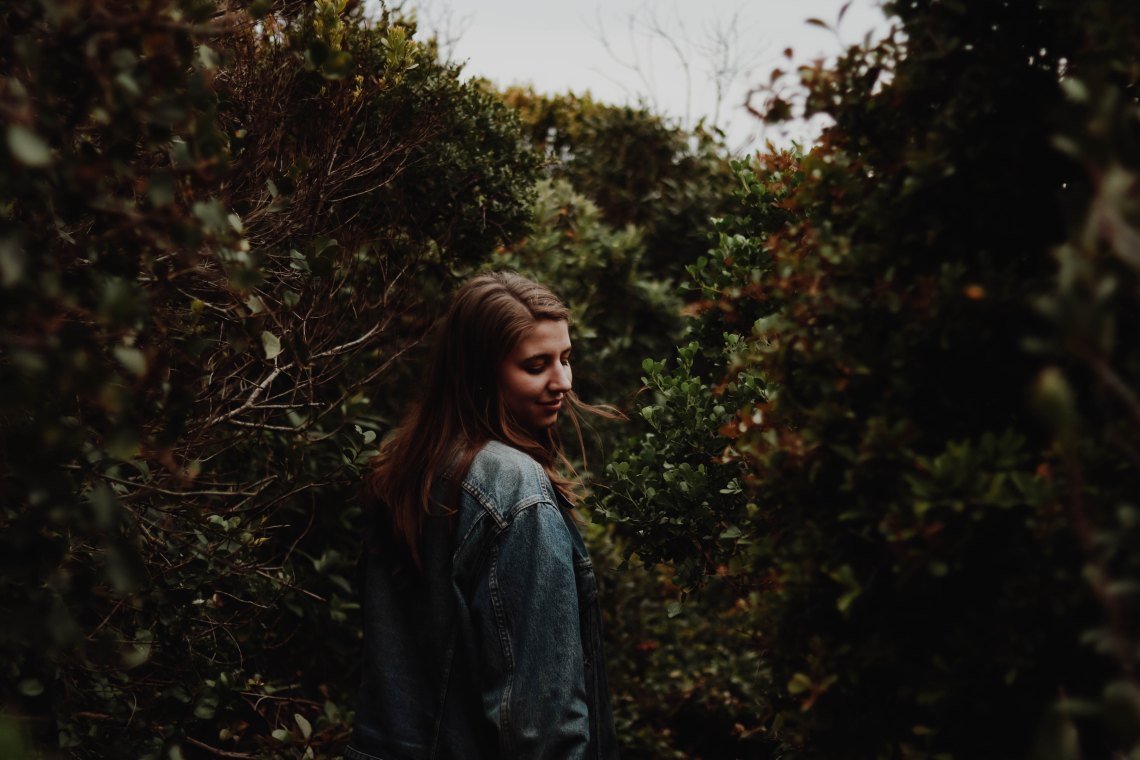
point(494, 650)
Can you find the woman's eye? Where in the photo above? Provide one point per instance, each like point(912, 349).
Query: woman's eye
point(534, 370)
point(566, 362)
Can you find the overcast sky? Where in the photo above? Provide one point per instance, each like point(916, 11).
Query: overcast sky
point(560, 45)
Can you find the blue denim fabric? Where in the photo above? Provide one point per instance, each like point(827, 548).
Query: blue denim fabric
point(495, 650)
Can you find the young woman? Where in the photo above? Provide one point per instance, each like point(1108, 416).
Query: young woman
point(481, 630)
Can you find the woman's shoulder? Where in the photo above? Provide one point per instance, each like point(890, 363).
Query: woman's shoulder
point(506, 479)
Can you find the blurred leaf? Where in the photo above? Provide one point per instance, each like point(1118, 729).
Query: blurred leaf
point(13, 262)
point(31, 687)
point(161, 188)
point(213, 215)
point(28, 148)
point(131, 358)
point(799, 684)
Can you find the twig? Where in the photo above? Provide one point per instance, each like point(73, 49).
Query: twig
point(292, 586)
point(254, 394)
point(267, 426)
point(305, 532)
point(345, 346)
point(208, 492)
point(219, 752)
point(119, 604)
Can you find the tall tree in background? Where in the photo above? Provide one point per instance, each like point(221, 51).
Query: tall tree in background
point(906, 430)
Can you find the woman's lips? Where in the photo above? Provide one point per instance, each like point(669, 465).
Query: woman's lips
point(552, 406)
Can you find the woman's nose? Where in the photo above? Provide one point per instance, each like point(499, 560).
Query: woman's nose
point(561, 381)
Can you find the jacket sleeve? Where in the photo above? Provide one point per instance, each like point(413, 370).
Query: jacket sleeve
point(533, 677)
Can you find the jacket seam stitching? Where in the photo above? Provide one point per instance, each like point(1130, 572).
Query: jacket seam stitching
point(462, 542)
point(505, 642)
point(544, 483)
point(525, 503)
point(484, 501)
point(488, 503)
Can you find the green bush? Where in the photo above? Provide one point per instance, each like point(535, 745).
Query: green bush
point(219, 232)
point(906, 427)
point(637, 167)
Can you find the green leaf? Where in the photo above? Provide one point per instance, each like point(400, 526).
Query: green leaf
point(128, 84)
point(304, 725)
point(31, 687)
point(27, 147)
point(206, 708)
point(1075, 90)
point(799, 683)
point(254, 304)
point(236, 223)
point(139, 650)
point(271, 343)
point(209, 57)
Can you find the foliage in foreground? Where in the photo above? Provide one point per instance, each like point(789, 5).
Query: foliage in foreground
point(218, 234)
point(906, 428)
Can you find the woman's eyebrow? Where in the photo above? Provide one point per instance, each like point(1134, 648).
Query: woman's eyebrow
point(545, 355)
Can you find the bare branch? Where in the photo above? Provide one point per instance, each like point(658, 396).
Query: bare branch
point(723, 58)
point(291, 586)
point(220, 752)
point(253, 396)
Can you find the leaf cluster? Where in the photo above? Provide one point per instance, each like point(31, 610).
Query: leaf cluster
point(638, 168)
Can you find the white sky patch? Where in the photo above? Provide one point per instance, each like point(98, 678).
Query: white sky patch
point(559, 46)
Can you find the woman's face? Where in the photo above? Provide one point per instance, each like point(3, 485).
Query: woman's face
point(535, 376)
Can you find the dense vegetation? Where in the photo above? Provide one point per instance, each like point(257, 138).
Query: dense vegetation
point(880, 502)
point(221, 231)
point(904, 429)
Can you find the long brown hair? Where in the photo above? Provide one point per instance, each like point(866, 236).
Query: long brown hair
point(460, 407)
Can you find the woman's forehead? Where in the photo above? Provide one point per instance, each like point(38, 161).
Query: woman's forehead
point(546, 336)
